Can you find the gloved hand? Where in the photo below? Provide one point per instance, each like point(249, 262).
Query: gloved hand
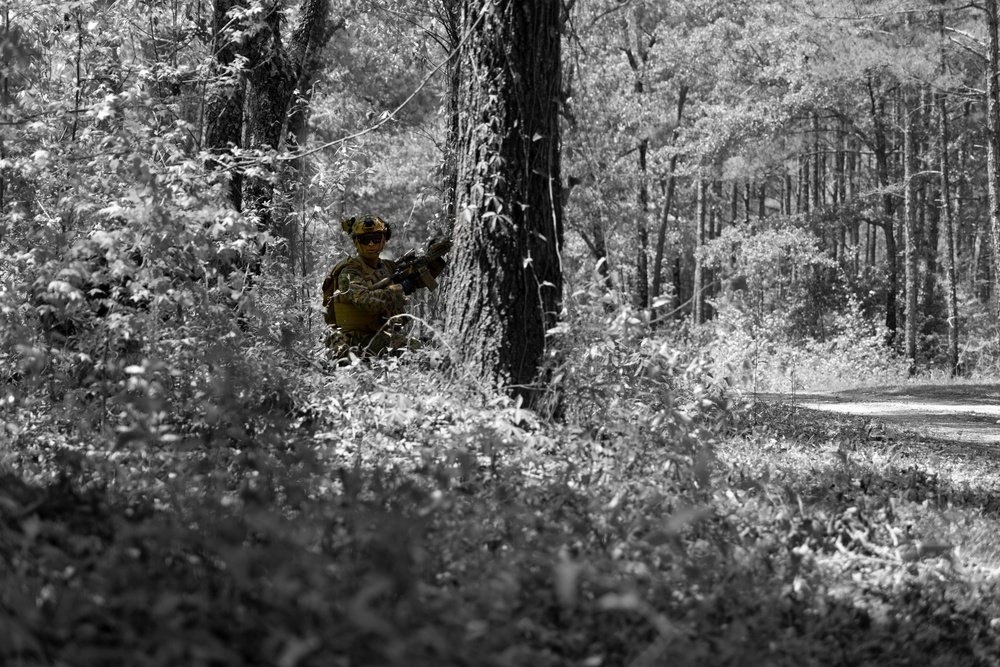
point(409, 286)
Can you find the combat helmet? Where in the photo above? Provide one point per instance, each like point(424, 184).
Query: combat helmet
point(366, 225)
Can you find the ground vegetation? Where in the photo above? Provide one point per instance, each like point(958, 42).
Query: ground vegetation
point(748, 201)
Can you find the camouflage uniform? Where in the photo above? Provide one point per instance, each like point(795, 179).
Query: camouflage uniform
point(357, 314)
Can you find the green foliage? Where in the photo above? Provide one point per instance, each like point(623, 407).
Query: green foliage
point(980, 353)
point(185, 479)
point(747, 351)
point(798, 323)
point(397, 515)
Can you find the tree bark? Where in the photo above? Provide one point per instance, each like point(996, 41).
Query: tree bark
point(251, 108)
point(505, 288)
point(701, 216)
point(642, 232)
point(668, 202)
point(452, 21)
point(637, 53)
point(805, 191)
point(950, 257)
point(312, 33)
point(225, 98)
point(880, 148)
point(993, 139)
point(909, 226)
point(961, 192)
point(270, 83)
point(818, 166)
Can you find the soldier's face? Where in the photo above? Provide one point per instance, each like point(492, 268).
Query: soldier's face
point(369, 245)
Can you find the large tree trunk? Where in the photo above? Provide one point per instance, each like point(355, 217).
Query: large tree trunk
point(250, 108)
point(312, 32)
point(269, 93)
point(505, 287)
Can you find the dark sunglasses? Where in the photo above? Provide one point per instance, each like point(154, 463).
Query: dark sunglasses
point(367, 239)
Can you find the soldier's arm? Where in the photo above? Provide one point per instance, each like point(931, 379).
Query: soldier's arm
point(384, 301)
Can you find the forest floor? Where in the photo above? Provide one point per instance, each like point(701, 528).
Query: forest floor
point(428, 525)
point(967, 414)
point(905, 479)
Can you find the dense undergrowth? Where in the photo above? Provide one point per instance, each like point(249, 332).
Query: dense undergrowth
point(217, 492)
point(392, 513)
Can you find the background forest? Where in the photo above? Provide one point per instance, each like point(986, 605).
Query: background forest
point(680, 204)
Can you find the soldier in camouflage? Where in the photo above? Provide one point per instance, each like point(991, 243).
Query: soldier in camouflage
point(363, 320)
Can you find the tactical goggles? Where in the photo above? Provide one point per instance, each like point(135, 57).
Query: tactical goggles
point(368, 239)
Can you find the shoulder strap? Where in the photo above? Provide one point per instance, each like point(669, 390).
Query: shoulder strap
point(330, 283)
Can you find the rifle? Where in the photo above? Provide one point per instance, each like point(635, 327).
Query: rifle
point(423, 268)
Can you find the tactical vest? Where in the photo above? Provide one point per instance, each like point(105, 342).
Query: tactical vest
point(343, 313)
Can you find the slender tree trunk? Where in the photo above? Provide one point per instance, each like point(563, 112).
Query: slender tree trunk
point(909, 227)
point(930, 230)
point(961, 192)
point(712, 232)
point(701, 215)
point(880, 149)
point(949, 235)
point(993, 140)
point(818, 197)
point(805, 205)
point(734, 202)
point(668, 202)
point(505, 286)
point(678, 271)
point(786, 194)
point(637, 52)
point(642, 232)
point(850, 162)
point(980, 264)
point(599, 247)
point(931, 197)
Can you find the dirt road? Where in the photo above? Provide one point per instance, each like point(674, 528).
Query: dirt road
point(965, 413)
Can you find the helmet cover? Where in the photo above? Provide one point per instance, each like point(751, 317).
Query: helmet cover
point(368, 224)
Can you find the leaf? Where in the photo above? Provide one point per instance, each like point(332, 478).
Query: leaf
point(31, 527)
point(566, 577)
point(17, 639)
point(298, 648)
point(687, 516)
point(620, 602)
point(364, 616)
